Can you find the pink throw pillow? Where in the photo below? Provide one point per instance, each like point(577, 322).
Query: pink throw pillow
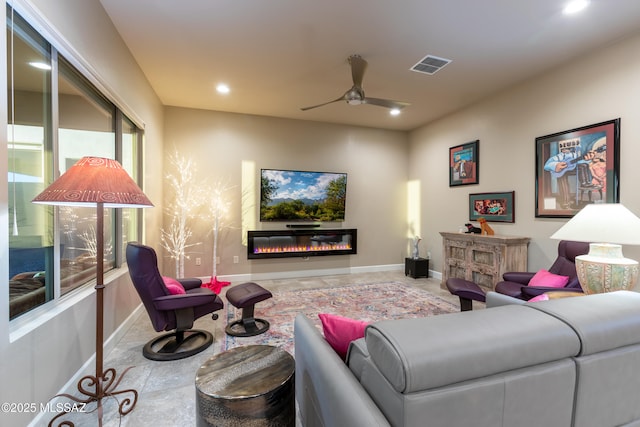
point(174, 287)
point(340, 331)
point(541, 297)
point(548, 280)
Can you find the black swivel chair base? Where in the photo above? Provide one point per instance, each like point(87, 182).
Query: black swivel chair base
point(177, 345)
point(247, 327)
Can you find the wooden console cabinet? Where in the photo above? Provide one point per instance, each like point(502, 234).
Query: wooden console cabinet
point(482, 259)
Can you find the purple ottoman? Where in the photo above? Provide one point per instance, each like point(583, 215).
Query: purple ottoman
point(466, 291)
point(245, 296)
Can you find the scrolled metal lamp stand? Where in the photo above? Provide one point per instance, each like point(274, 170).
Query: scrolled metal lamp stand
point(104, 382)
point(103, 389)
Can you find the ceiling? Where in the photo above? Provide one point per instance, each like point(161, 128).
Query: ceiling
point(280, 55)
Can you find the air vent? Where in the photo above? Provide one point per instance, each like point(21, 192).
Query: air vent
point(430, 65)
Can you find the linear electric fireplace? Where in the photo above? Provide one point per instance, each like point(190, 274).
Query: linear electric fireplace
point(301, 243)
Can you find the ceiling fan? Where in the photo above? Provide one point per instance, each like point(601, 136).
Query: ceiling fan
point(355, 95)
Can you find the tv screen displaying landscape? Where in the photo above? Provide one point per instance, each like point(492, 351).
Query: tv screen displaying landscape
point(287, 195)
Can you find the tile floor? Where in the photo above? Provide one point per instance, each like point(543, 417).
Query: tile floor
point(166, 390)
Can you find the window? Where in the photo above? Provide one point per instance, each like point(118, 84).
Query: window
point(29, 137)
point(131, 217)
point(56, 116)
point(86, 127)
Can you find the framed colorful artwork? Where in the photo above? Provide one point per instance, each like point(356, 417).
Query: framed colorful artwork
point(463, 164)
point(577, 167)
point(495, 207)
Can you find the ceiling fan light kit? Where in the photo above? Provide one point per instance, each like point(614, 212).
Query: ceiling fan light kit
point(356, 96)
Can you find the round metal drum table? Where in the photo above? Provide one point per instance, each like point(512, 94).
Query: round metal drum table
point(247, 386)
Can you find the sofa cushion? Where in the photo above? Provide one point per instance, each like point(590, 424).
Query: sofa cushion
point(535, 396)
point(608, 325)
point(423, 353)
point(340, 331)
point(548, 280)
point(593, 317)
point(494, 299)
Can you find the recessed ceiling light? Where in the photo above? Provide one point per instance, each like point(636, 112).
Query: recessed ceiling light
point(223, 88)
point(394, 111)
point(40, 65)
point(575, 6)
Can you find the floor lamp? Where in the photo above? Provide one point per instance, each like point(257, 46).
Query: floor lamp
point(100, 182)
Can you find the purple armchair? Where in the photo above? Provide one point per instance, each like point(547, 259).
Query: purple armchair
point(169, 312)
point(516, 284)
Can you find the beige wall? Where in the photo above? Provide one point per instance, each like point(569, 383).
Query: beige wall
point(222, 145)
point(599, 87)
point(39, 358)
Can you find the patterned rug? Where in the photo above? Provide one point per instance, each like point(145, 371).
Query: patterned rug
point(369, 302)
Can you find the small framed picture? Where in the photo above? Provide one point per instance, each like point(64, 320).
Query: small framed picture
point(495, 207)
point(577, 167)
point(463, 164)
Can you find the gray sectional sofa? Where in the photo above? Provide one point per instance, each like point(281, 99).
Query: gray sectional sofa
point(564, 362)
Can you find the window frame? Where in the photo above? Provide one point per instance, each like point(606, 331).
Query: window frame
point(122, 113)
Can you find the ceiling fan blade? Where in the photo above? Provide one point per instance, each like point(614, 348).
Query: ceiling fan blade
point(387, 103)
point(358, 67)
point(342, 98)
point(355, 95)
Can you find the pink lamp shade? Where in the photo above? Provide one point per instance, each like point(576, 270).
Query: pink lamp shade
point(93, 180)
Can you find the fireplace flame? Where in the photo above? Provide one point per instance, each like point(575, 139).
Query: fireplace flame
point(295, 248)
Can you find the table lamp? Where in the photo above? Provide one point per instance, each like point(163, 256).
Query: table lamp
point(606, 226)
point(99, 182)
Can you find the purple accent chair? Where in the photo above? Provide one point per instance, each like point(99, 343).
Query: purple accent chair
point(516, 284)
point(170, 312)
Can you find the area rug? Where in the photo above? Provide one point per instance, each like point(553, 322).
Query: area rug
point(368, 302)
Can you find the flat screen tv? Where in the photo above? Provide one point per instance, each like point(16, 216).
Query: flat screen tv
point(287, 195)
